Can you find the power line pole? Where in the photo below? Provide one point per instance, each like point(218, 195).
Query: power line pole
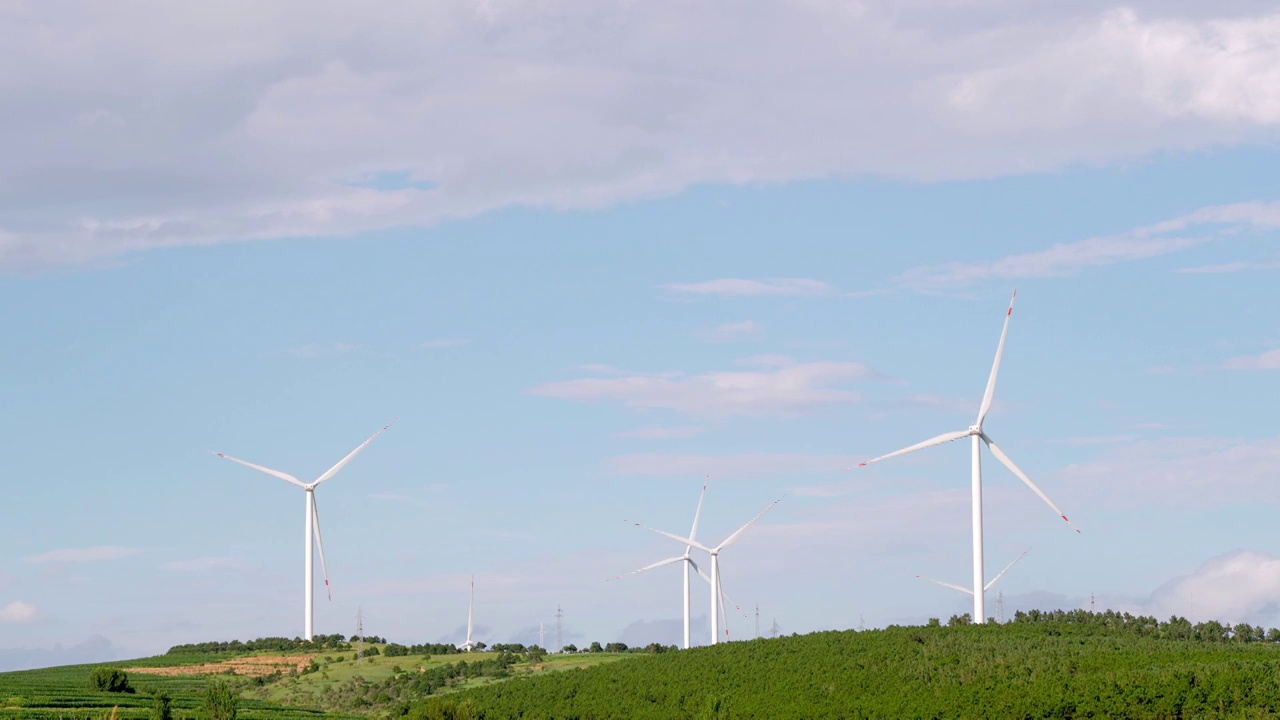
point(757, 621)
point(1000, 606)
point(559, 619)
point(773, 631)
point(359, 635)
point(862, 624)
point(1090, 603)
point(542, 635)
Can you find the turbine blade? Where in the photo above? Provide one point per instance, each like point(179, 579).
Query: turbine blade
point(957, 588)
point(729, 541)
point(725, 596)
point(698, 513)
point(341, 463)
point(995, 367)
point(939, 440)
point(658, 564)
point(274, 473)
point(697, 569)
point(315, 521)
point(995, 450)
point(677, 538)
point(1000, 574)
point(724, 616)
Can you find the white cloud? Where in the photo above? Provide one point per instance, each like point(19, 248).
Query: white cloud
point(1241, 586)
point(1269, 360)
point(311, 352)
point(728, 332)
point(18, 612)
point(446, 343)
point(204, 564)
point(1233, 267)
point(159, 127)
point(90, 554)
point(789, 390)
point(739, 287)
point(1142, 243)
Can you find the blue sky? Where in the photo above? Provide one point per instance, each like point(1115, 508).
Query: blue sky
point(618, 251)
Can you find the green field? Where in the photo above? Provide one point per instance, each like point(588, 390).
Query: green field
point(1042, 665)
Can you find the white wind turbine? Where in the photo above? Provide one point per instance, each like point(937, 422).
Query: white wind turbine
point(717, 593)
point(312, 525)
point(688, 563)
point(979, 437)
point(986, 587)
point(471, 606)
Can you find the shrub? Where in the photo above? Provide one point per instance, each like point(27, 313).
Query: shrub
point(161, 706)
point(219, 702)
point(109, 680)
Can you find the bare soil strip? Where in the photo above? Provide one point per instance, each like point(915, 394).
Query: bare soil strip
point(255, 666)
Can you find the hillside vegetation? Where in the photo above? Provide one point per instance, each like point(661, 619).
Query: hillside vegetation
point(1043, 665)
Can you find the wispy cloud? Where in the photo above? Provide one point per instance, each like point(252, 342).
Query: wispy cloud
point(18, 612)
point(728, 332)
point(788, 390)
point(1143, 243)
point(100, 553)
point(728, 466)
point(204, 564)
point(310, 352)
point(1269, 360)
point(1233, 267)
point(664, 433)
point(731, 287)
point(445, 343)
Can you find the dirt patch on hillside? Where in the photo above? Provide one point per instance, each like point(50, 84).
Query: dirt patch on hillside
point(255, 666)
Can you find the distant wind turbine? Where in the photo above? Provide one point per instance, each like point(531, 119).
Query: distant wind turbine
point(312, 525)
point(687, 564)
point(986, 587)
point(717, 593)
point(979, 437)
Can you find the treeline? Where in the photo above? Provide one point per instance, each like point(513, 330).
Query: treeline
point(1057, 664)
point(274, 644)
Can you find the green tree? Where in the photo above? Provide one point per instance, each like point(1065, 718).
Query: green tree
point(570, 648)
point(219, 702)
point(161, 706)
point(109, 680)
point(595, 647)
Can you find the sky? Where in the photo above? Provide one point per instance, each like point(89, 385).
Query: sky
point(588, 255)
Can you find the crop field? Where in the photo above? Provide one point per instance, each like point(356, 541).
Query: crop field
point(63, 692)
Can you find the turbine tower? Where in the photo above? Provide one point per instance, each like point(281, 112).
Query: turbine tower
point(978, 437)
point(717, 593)
point(687, 564)
point(988, 586)
point(312, 526)
point(471, 606)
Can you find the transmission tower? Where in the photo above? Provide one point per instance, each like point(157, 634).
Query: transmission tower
point(862, 624)
point(773, 631)
point(757, 621)
point(1091, 603)
point(542, 635)
point(1000, 607)
point(359, 635)
point(559, 623)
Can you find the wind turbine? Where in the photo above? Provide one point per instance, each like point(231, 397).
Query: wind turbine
point(686, 560)
point(312, 524)
point(717, 593)
point(468, 645)
point(979, 437)
point(986, 587)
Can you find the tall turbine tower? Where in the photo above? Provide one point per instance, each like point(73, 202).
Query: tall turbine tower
point(468, 646)
point(978, 436)
point(312, 526)
point(717, 594)
point(687, 563)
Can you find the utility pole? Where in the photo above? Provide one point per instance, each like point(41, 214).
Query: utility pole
point(1090, 603)
point(542, 635)
point(559, 619)
point(1000, 607)
point(359, 635)
point(757, 621)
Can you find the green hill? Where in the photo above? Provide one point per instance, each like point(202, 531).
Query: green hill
point(1057, 665)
